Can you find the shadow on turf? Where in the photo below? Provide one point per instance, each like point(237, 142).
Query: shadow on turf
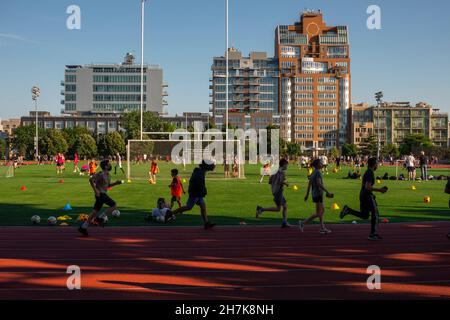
point(20, 215)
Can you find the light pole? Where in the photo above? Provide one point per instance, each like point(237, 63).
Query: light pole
point(142, 66)
point(378, 97)
point(35, 92)
point(226, 67)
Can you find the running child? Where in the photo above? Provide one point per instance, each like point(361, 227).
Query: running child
point(153, 171)
point(176, 187)
point(278, 182)
point(367, 202)
point(317, 189)
point(197, 192)
point(59, 163)
point(118, 163)
point(265, 171)
point(92, 167)
point(76, 160)
point(100, 182)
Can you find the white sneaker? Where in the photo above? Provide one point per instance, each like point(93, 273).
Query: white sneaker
point(325, 231)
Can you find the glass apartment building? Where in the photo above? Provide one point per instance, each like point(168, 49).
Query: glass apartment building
point(314, 65)
point(112, 88)
point(252, 90)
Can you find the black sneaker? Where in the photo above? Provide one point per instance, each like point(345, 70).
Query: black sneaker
point(344, 212)
point(83, 231)
point(100, 222)
point(209, 225)
point(168, 217)
point(258, 212)
point(374, 237)
point(285, 225)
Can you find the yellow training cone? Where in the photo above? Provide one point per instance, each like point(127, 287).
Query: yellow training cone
point(379, 181)
point(413, 187)
point(184, 180)
point(335, 206)
point(295, 188)
point(426, 199)
point(129, 181)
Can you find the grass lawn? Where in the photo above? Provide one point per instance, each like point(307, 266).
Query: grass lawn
point(228, 201)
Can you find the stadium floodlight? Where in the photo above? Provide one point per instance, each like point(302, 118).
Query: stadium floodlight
point(35, 92)
point(378, 98)
point(142, 66)
point(226, 67)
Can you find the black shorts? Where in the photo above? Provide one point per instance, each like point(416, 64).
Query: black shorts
point(59, 164)
point(175, 199)
point(103, 199)
point(318, 199)
point(367, 205)
point(411, 169)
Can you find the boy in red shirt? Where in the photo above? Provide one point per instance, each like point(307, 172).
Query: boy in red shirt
point(153, 171)
point(176, 187)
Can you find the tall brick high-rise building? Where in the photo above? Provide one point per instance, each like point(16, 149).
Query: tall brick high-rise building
point(314, 87)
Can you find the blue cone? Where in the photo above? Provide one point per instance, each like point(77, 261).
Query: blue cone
point(67, 207)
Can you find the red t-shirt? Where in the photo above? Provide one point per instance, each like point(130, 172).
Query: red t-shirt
point(154, 168)
point(175, 188)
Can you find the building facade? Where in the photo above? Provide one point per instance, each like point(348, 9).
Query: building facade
point(7, 127)
point(188, 119)
point(98, 124)
point(252, 90)
point(314, 84)
point(112, 88)
point(396, 120)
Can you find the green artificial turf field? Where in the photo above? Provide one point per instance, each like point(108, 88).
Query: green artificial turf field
point(229, 201)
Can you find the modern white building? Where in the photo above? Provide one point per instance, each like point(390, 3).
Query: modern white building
point(113, 88)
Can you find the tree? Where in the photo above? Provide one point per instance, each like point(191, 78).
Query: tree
point(71, 135)
point(390, 150)
point(53, 142)
point(23, 140)
point(2, 149)
point(370, 147)
point(415, 143)
point(151, 123)
point(349, 149)
point(85, 146)
point(293, 149)
point(334, 152)
point(110, 144)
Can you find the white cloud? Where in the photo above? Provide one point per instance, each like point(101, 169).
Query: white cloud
point(16, 38)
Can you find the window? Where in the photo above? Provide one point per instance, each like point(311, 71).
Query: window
point(71, 78)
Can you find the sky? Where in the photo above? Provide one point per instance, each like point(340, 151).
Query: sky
point(408, 58)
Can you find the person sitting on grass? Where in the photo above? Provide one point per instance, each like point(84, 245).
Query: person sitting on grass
point(197, 192)
point(316, 185)
point(368, 204)
point(161, 213)
point(278, 182)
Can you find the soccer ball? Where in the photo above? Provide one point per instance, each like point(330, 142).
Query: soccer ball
point(116, 213)
point(105, 219)
point(51, 220)
point(35, 219)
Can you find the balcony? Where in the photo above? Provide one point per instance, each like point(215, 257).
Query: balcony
point(165, 94)
point(62, 102)
point(62, 83)
point(63, 92)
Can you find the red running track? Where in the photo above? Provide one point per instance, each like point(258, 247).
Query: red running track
point(243, 262)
